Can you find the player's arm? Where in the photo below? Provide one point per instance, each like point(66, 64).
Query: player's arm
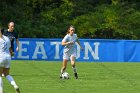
point(11, 51)
point(17, 42)
point(66, 43)
point(77, 40)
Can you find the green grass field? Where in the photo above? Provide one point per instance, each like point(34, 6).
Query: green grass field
point(94, 77)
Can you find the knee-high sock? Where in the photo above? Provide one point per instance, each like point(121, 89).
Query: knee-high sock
point(12, 81)
point(1, 86)
point(74, 69)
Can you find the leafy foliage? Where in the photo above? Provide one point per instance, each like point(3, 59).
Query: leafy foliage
point(110, 19)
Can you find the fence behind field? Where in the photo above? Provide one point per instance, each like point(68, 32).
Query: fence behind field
point(95, 50)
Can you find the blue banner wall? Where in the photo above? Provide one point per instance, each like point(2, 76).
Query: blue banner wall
point(95, 50)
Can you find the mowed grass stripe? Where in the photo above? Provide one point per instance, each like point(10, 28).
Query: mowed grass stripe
point(94, 77)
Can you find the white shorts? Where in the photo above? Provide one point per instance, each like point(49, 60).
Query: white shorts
point(69, 55)
point(5, 61)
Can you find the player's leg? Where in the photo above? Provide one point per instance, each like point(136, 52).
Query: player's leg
point(1, 85)
point(1, 70)
point(6, 71)
point(64, 64)
point(10, 79)
point(73, 66)
point(12, 55)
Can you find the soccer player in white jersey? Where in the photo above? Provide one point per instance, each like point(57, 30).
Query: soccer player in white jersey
point(5, 61)
point(69, 51)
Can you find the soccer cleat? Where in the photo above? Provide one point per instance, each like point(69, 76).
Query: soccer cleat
point(17, 90)
point(60, 76)
point(76, 75)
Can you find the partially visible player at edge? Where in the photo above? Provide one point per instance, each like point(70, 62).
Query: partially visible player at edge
point(12, 36)
point(5, 61)
point(69, 51)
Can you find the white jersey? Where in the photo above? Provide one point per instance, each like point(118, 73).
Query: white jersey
point(5, 44)
point(5, 56)
point(70, 48)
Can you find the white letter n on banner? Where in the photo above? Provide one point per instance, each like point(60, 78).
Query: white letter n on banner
point(93, 53)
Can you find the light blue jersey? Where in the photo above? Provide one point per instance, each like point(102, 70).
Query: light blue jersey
point(5, 57)
point(5, 44)
point(70, 48)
